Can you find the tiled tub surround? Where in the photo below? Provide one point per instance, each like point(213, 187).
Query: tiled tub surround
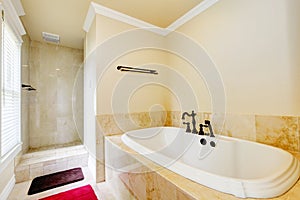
point(108, 124)
point(146, 180)
point(247, 127)
point(114, 124)
point(53, 71)
point(44, 162)
point(278, 131)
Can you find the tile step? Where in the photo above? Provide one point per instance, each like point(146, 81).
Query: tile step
point(50, 161)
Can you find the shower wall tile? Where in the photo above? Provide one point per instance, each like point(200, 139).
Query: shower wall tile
point(54, 72)
point(279, 131)
point(25, 94)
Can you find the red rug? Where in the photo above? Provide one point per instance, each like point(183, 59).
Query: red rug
point(50, 181)
point(81, 193)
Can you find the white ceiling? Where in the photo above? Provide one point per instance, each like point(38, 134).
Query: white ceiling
point(66, 17)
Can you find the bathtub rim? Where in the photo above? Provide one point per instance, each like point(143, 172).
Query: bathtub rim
point(294, 163)
point(127, 140)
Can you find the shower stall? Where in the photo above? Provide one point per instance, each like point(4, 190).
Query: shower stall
point(52, 114)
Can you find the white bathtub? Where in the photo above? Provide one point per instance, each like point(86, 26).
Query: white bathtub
point(234, 166)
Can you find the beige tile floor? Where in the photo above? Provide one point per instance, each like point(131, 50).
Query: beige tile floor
point(102, 190)
point(20, 190)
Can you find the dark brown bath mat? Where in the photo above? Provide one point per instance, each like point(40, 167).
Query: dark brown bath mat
point(50, 181)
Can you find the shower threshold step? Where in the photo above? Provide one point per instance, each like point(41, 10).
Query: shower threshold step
point(50, 161)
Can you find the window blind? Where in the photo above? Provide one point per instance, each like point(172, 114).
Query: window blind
point(10, 91)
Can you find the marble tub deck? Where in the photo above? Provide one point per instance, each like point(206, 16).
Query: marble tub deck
point(183, 188)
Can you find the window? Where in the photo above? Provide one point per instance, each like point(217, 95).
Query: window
point(10, 91)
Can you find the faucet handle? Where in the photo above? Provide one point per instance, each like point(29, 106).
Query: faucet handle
point(207, 122)
point(188, 128)
point(201, 132)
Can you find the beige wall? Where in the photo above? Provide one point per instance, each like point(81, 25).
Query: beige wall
point(164, 95)
point(56, 103)
point(101, 78)
point(167, 90)
point(104, 30)
point(123, 92)
point(255, 45)
point(6, 176)
point(107, 28)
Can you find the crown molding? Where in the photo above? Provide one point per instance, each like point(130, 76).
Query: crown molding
point(191, 14)
point(99, 9)
point(107, 12)
point(19, 7)
point(12, 17)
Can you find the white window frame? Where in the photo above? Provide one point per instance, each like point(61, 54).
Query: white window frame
point(12, 20)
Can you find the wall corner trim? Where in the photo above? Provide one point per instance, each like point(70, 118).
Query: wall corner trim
point(92, 165)
point(89, 18)
point(99, 9)
point(8, 188)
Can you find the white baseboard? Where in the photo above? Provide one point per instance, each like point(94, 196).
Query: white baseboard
point(8, 188)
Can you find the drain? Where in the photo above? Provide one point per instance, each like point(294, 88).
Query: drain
point(203, 141)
